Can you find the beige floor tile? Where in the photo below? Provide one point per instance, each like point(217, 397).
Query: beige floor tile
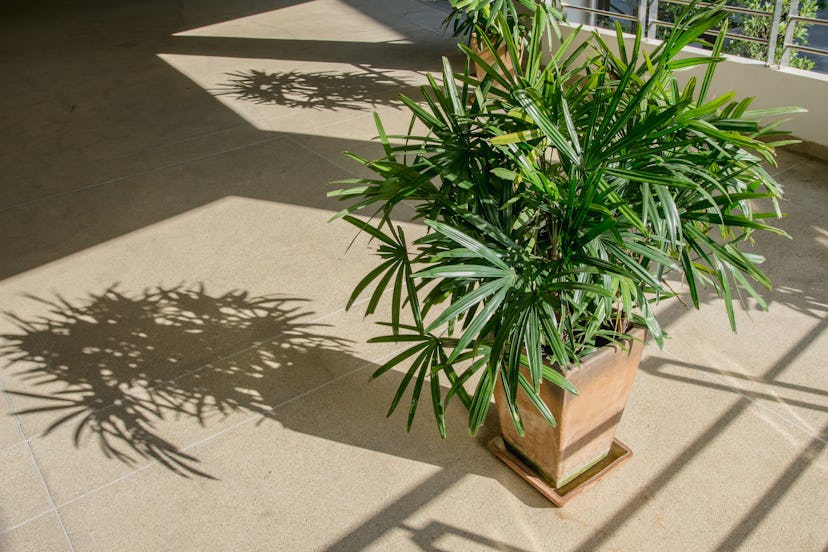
point(799, 487)
point(87, 129)
point(73, 170)
point(87, 134)
point(294, 96)
point(782, 376)
point(104, 105)
point(776, 356)
point(457, 493)
point(360, 136)
point(152, 335)
point(22, 495)
point(280, 173)
point(322, 472)
point(785, 159)
point(794, 265)
point(9, 429)
point(43, 534)
point(713, 466)
point(126, 278)
point(451, 510)
point(348, 21)
point(727, 489)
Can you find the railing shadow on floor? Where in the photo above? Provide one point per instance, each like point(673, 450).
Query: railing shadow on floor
point(691, 373)
point(713, 430)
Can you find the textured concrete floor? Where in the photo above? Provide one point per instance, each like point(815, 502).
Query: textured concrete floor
point(178, 371)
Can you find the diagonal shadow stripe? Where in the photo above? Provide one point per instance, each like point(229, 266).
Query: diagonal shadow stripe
point(717, 428)
point(656, 371)
point(775, 493)
point(420, 56)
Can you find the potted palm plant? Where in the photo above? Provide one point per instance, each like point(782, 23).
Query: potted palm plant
point(468, 16)
point(485, 25)
point(558, 200)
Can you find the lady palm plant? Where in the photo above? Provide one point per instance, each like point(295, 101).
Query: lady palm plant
point(483, 15)
point(557, 198)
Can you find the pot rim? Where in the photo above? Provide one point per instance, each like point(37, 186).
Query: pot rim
point(636, 331)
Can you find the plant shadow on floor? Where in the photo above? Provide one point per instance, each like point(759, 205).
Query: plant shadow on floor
point(117, 365)
point(137, 374)
point(324, 90)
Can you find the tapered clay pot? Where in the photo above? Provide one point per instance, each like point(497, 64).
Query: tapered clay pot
point(586, 422)
point(480, 49)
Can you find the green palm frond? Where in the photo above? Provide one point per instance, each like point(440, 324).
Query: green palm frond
point(557, 198)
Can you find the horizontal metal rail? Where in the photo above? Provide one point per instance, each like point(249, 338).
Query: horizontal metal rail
point(788, 45)
point(734, 36)
point(809, 20)
point(597, 11)
point(809, 49)
point(732, 9)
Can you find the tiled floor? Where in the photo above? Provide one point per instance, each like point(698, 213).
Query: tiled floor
point(179, 373)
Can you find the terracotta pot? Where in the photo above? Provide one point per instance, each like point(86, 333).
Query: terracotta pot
point(502, 53)
point(586, 422)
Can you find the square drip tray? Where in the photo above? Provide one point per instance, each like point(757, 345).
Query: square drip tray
point(618, 454)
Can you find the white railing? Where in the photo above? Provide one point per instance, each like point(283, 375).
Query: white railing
point(647, 17)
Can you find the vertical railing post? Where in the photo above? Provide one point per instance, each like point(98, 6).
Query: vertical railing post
point(642, 17)
point(774, 32)
point(652, 15)
point(789, 34)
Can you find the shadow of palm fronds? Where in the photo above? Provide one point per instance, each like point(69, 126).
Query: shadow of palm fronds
point(119, 366)
point(360, 91)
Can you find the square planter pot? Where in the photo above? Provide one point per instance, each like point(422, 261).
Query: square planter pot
point(586, 422)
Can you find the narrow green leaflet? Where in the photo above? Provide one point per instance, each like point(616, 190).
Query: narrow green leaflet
point(463, 271)
point(536, 400)
point(528, 102)
point(474, 329)
point(468, 242)
point(481, 400)
point(468, 301)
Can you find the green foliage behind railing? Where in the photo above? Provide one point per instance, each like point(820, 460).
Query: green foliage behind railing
point(757, 26)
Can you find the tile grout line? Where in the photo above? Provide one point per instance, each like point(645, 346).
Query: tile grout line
point(739, 392)
point(34, 461)
point(226, 430)
point(257, 417)
point(11, 413)
point(337, 164)
point(322, 157)
point(26, 522)
point(27, 441)
point(788, 166)
point(55, 508)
